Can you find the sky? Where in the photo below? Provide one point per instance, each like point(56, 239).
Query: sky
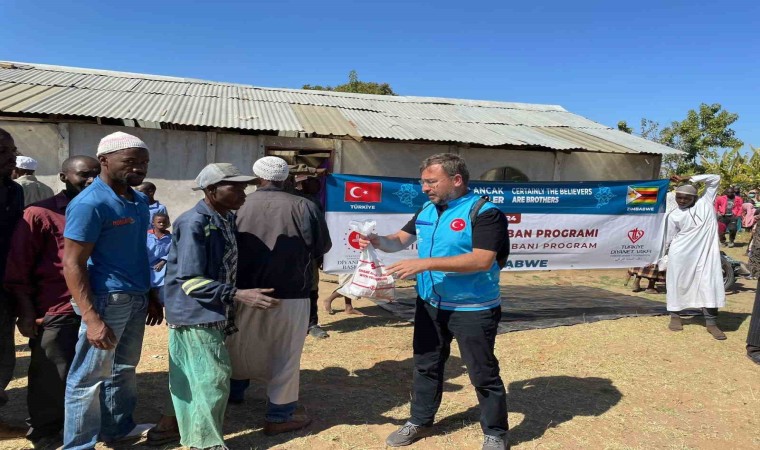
point(604, 60)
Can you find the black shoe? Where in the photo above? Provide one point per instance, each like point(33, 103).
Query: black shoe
point(48, 442)
point(406, 435)
point(716, 332)
point(317, 332)
point(754, 357)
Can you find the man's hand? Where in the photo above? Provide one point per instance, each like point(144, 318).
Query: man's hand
point(27, 317)
point(364, 241)
point(257, 298)
point(27, 326)
point(679, 179)
point(99, 334)
point(408, 267)
point(155, 310)
point(159, 265)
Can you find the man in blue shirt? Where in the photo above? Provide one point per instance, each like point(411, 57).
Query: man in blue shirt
point(460, 239)
point(106, 269)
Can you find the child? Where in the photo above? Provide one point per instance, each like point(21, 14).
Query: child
point(155, 206)
point(159, 241)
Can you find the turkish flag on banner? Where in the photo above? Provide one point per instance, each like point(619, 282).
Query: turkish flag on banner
point(363, 192)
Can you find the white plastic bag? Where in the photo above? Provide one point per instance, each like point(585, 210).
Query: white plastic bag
point(369, 279)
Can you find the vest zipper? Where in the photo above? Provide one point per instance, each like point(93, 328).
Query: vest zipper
point(430, 255)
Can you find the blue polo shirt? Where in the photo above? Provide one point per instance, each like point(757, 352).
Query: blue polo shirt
point(119, 260)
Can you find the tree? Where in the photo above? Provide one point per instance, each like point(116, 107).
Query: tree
point(732, 167)
point(701, 135)
point(355, 86)
point(623, 126)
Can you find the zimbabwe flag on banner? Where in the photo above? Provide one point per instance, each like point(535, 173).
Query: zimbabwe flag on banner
point(642, 195)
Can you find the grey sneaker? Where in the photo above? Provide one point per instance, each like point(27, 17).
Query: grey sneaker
point(317, 332)
point(405, 435)
point(493, 443)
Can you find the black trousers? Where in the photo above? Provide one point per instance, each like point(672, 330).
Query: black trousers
point(52, 352)
point(753, 336)
point(313, 312)
point(475, 332)
point(731, 226)
point(7, 343)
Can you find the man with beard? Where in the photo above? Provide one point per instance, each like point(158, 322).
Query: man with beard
point(106, 269)
point(35, 282)
point(695, 278)
point(461, 237)
point(11, 208)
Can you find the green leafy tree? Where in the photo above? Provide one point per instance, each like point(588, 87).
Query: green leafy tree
point(356, 86)
point(702, 135)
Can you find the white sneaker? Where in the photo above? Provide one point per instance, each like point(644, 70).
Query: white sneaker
point(138, 431)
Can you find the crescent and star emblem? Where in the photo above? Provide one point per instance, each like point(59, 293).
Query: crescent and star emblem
point(352, 192)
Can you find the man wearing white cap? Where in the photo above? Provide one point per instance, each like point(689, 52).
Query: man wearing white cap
point(279, 237)
point(200, 296)
point(694, 275)
point(23, 174)
point(105, 264)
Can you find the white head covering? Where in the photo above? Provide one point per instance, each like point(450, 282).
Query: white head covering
point(119, 141)
point(27, 163)
point(271, 168)
point(687, 189)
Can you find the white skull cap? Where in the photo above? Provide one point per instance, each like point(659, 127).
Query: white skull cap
point(26, 163)
point(271, 168)
point(119, 141)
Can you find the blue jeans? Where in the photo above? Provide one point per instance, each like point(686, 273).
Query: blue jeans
point(275, 413)
point(101, 389)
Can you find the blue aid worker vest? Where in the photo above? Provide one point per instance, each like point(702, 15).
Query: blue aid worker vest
point(450, 234)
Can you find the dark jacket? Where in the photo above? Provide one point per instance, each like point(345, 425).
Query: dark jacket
point(279, 236)
point(195, 290)
point(10, 212)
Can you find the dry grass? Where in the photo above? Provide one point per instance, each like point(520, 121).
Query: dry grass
point(622, 384)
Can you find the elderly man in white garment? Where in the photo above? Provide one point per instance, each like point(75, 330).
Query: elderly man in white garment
point(694, 275)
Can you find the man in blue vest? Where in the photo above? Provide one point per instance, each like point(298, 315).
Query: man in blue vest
point(457, 295)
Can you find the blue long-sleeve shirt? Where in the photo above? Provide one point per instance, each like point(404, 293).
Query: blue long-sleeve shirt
point(158, 250)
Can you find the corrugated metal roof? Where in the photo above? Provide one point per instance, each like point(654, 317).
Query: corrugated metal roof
point(44, 89)
point(324, 121)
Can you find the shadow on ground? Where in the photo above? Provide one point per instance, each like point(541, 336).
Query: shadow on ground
point(373, 317)
point(334, 396)
point(535, 307)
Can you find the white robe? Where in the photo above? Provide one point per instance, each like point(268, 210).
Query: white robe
point(694, 274)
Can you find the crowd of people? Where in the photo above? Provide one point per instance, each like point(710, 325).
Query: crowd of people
point(87, 269)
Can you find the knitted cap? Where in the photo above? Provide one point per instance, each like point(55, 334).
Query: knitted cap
point(25, 162)
point(119, 141)
point(271, 168)
point(218, 172)
point(686, 189)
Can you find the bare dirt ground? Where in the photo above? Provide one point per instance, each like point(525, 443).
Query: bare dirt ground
point(620, 384)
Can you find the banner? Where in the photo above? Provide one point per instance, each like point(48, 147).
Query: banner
point(552, 225)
